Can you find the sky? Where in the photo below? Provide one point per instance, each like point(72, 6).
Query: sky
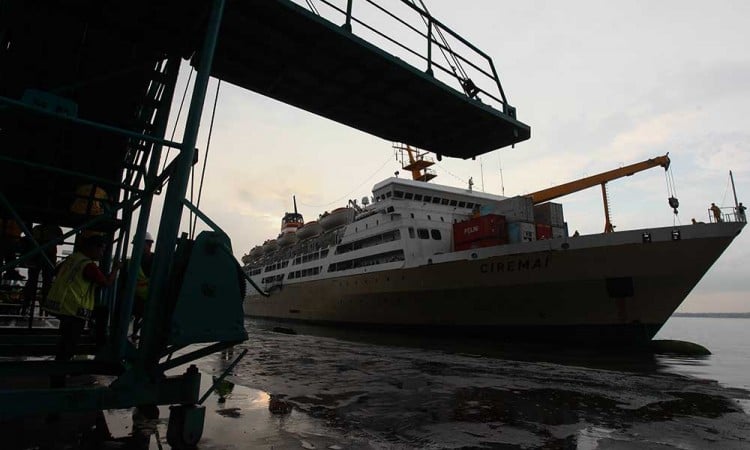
point(601, 84)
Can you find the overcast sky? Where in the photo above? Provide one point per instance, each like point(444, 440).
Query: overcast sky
point(602, 84)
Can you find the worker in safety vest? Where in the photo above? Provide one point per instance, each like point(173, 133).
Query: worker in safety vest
point(72, 295)
point(142, 282)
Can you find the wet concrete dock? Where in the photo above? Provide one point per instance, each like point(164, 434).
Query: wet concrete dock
point(315, 391)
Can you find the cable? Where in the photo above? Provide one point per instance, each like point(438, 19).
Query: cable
point(350, 192)
point(312, 7)
point(205, 156)
point(177, 119)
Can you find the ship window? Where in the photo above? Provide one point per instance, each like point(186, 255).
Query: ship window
point(423, 233)
point(445, 201)
point(429, 217)
point(427, 199)
point(408, 195)
point(412, 215)
point(470, 205)
point(324, 253)
point(411, 232)
point(436, 234)
point(369, 241)
point(291, 275)
point(388, 194)
point(461, 204)
point(436, 200)
point(382, 258)
point(398, 194)
point(417, 196)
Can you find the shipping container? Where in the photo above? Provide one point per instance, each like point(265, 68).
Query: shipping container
point(491, 226)
point(559, 232)
point(521, 232)
point(543, 232)
point(549, 214)
point(515, 209)
point(481, 243)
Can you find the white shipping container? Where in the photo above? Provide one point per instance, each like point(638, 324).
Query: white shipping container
point(559, 232)
point(521, 232)
point(549, 214)
point(515, 209)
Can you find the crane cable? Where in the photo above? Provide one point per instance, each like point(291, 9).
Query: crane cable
point(461, 75)
point(177, 119)
point(205, 160)
point(672, 193)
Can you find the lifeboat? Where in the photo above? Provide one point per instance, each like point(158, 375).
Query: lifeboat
point(287, 239)
point(270, 245)
point(337, 218)
point(310, 229)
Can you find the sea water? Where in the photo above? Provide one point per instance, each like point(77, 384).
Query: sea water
point(381, 390)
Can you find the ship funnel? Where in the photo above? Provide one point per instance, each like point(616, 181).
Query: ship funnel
point(294, 199)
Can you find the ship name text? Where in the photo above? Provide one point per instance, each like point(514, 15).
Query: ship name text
point(515, 265)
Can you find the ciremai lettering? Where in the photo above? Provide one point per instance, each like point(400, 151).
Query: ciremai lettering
point(515, 265)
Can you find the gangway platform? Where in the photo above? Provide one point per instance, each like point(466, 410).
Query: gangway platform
point(279, 49)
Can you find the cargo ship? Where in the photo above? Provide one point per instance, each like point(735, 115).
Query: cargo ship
point(423, 257)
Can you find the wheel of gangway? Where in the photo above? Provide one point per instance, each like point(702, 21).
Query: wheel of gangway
point(185, 427)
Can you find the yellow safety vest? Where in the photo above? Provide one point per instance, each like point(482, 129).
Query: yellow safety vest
point(141, 283)
point(71, 294)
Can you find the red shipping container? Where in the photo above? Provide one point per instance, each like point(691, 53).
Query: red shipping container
point(490, 226)
point(543, 232)
point(481, 243)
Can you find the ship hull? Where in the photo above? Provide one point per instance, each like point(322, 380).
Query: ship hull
point(596, 289)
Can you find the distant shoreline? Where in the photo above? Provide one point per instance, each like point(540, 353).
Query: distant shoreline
point(745, 315)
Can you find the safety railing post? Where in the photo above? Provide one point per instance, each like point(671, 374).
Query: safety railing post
point(348, 24)
point(429, 45)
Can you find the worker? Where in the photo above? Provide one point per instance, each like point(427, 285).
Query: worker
point(42, 233)
point(10, 243)
point(142, 283)
point(741, 213)
point(71, 296)
point(716, 211)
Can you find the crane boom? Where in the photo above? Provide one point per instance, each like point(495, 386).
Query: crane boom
point(552, 193)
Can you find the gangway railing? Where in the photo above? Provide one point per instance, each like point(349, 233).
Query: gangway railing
point(409, 32)
point(727, 214)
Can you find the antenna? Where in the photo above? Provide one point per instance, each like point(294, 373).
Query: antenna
point(502, 182)
point(481, 172)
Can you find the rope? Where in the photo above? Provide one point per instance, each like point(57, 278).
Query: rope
point(456, 63)
point(177, 119)
point(205, 156)
point(312, 7)
point(350, 192)
point(726, 190)
point(451, 174)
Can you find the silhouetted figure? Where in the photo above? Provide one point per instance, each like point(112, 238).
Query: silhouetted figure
point(716, 211)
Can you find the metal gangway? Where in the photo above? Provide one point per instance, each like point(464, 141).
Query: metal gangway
point(86, 90)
